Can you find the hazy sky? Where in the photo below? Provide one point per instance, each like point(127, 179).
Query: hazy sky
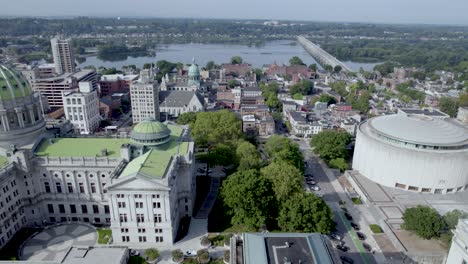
point(380, 11)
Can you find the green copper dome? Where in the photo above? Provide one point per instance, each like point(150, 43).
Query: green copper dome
point(151, 133)
point(12, 84)
point(193, 70)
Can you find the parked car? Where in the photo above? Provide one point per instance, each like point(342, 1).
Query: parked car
point(348, 216)
point(296, 139)
point(311, 182)
point(345, 259)
point(344, 209)
point(335, 236)
point(190, 253)
point(355, 226)
point(134, 253)
point(342, 248)
point(361, 236)
point(367, 247)
point(315, 188)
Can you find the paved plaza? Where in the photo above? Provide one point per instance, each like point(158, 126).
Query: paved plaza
point(53, 243)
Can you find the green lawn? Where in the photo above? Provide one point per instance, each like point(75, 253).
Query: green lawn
point(3, 161)
point(375, 228)
point(104, 235)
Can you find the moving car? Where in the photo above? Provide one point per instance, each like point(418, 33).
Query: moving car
point(355, 226)
point(345, 259)
point(342, 248)
point(348, 216)
point(361, 236)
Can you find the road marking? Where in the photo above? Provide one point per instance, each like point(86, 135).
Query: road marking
point(353, 236)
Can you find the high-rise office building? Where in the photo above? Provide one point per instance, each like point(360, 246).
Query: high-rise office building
point(144, 94)
point(63, 55)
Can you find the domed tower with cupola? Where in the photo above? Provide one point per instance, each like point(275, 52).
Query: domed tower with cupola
point(21, 117)
point(194, 75)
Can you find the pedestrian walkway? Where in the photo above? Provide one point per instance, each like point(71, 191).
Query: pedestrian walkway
point(210, 199)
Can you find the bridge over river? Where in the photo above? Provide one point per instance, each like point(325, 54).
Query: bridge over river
point(320, 55)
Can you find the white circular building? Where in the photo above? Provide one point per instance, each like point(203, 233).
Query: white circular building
point(413, 152)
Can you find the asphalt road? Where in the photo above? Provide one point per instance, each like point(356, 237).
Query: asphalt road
point(329, 195)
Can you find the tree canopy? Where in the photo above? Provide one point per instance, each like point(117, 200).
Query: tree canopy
point(236, 60)
point(448, 106)
point(285, 178)
point(304, 87)
point(283, 148)
point(211, 128)
point(296, 61)
point(247, 155)
point(331, 144)
point(451, 218)
point(187, 118)
point(305, 212)
point(249, 198)
point(424, 221)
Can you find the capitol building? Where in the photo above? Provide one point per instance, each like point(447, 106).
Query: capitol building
point(141, 186)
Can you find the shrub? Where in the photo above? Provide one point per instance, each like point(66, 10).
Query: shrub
point(424, 221)
point(205, 241)
point(376, 229)
point(356, 200)
point(177, 255)
point(227, 239)
point(152, 254)
point(227, 256)
point(203, 256)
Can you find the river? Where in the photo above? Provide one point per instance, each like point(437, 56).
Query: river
point(275, 51)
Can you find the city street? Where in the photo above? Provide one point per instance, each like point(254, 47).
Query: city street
point(330, 193)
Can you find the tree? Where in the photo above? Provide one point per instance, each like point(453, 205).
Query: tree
point(273, 102)
point(203, 256)
point(211, 128)
point(337, 69)
point(187, 118)
point(210, 65)
point(305, 212)
point(152, 254)
point(221, 154)
point(424, 221)
point(339, 163)
point(177, 255)
point(327, 99)
point(463, 99)
point(385, 68)
point(286, 179)
point(236, 60)
point(283, 148)
point(258, 74)
point(448, 106)
point(331, 144)
point(451, 218)
point(328, 67)
point(304, 87)
point(232, 83)
point(297, 96)
point(313, 67)
point(247, 156)
point(296, 61)
point(249, 198)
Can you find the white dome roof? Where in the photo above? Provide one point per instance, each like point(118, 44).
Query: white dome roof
point(420, 130)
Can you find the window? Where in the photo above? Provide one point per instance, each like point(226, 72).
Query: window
point(141, 230)
point(72, 208)
point(61, 208)
point(157, 205)
point(121, 204)
point(50, 207)
point(93, 187)
point(142, 239)
point(157, 218)
point(158, 230)
point(95, 209)
point(70, 187)
point(137, 196)
point(125, 239)
point(84, 209)
point(159, 239)
point(155, 196)
point(123, 218)
point(47, 187)
point(86, 219)
point(81, 186)
point(123, 230)
point(97, 220)
point(140, 218)
point(139, 204)
point(106, 209)
point(59, 187)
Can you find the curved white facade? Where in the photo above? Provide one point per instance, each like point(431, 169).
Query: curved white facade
point(390, 159)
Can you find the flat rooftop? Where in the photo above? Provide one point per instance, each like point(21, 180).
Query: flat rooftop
point(95, 255)
point(80, 147)
point(278, 248)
